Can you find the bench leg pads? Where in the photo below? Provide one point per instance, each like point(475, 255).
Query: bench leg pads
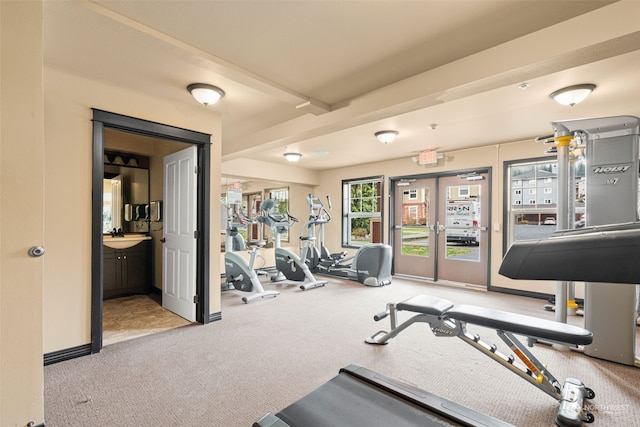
point(572, 411)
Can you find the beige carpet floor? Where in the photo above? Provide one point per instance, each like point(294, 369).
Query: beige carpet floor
point(265, 355)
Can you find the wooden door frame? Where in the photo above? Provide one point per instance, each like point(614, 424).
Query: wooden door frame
point(104, 119)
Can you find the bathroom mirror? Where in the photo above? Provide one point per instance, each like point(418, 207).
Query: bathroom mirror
point(125, 199)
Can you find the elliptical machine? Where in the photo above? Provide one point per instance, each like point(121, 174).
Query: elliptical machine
point(288, 264)
point(371, 264)
point(239, 273)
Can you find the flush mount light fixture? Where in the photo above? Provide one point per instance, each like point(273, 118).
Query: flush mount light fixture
point(572, 95)
point(386, 136)
point(205, 94)
point(292, 157)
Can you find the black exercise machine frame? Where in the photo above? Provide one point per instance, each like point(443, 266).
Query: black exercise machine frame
point(324, 407)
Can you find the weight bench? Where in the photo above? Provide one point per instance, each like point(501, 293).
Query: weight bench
point(445, 320)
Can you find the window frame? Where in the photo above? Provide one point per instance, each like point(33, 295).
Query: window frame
point(347, 215)
point(510, 197)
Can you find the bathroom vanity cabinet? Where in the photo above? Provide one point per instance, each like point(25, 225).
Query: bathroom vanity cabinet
point(127, 271)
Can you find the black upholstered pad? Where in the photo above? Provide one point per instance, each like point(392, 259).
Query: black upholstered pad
point(521, 324)
point(425, 304)
point(606, 254)
point(345, 401)
point(359, 397)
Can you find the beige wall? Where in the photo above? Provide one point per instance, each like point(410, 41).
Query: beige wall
point(68, 145)
point(21, 213)
point(264, 171)
point(493, 157)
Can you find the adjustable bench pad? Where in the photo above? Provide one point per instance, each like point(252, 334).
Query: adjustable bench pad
point(521, 324)
point(501, 320)
point(425, 304)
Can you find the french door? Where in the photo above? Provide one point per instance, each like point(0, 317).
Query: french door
point(414, 231)
point(463, 237)
point(440, 229)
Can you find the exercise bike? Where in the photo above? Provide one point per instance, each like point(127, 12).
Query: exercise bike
point(371, 264)
point(239, 273)
point(233, 239)
point(289, 265)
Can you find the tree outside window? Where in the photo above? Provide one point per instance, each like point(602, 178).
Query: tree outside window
point(362, 206)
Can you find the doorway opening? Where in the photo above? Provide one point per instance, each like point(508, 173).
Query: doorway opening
point(105, 122)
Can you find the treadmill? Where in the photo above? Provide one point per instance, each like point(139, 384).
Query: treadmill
point(359, 397)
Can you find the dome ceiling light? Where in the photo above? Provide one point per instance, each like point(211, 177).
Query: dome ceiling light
point(386, 136)
point(292, 157)
point(205, 94)
point(572, 95)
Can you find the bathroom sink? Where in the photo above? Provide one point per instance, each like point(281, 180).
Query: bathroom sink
point(126, 242)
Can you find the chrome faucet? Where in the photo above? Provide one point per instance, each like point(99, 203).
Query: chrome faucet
point(117, 233)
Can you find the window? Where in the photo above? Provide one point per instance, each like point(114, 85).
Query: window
point(281, 197)
point(412, 194)
point(362, 211)
point(412, 212)
point(524, 215)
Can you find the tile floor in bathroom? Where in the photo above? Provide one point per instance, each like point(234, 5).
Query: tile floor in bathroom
point(135, 316)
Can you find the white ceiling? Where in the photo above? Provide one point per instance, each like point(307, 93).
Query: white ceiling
point(402, 65)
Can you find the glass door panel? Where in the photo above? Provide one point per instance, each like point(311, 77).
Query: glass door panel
point(414, 233)
point(462, 227)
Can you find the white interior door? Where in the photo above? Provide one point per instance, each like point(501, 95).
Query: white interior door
point(180, 249)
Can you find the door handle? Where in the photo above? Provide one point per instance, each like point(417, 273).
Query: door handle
point(36, 251)
point(163, 240)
